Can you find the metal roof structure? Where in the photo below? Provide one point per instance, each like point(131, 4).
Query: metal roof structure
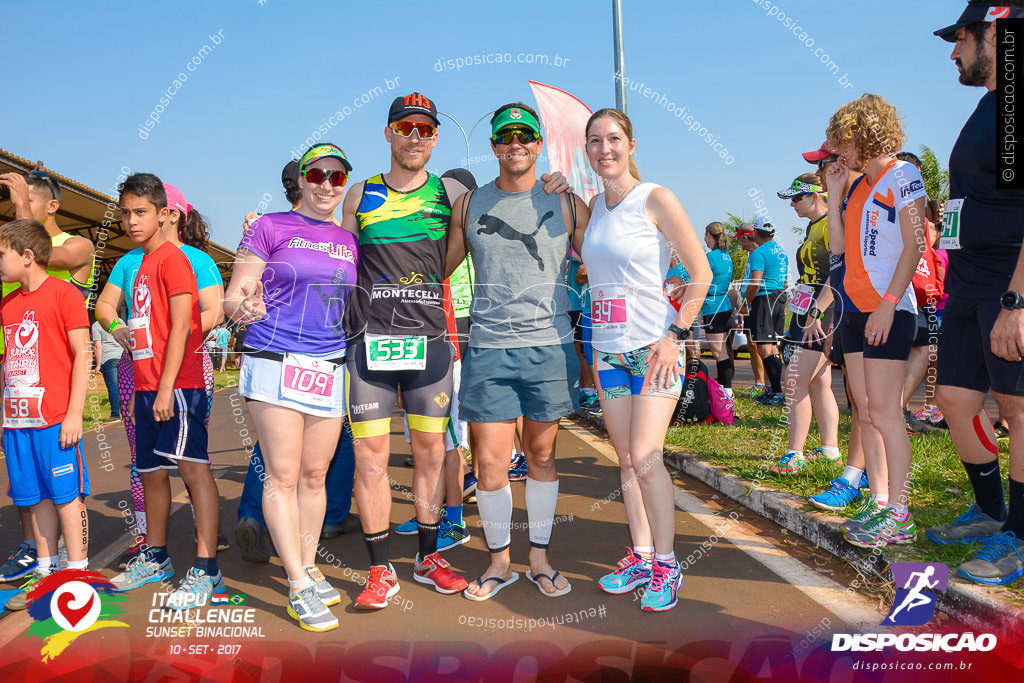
point(92, 214)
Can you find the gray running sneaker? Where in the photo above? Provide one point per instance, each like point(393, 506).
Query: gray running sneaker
point(973, 525)
point(19, 600)
point(868, 508)
point(142, 570)
point(1000, 562)
point(196, 590)
point(329, 595)
point(309, 610)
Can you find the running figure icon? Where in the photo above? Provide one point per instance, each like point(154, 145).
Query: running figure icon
point(914, 597)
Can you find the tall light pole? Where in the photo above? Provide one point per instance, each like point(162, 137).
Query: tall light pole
point(469, 158)
point(620, 59)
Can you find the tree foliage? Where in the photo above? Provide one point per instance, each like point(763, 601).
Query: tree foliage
point(936, 178)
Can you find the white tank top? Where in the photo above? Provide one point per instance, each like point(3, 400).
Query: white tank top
point(627, 258)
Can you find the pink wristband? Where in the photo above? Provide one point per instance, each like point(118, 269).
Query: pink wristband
point(890, 298)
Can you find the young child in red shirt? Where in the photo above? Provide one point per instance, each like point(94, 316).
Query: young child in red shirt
point(170, 397)
point(43, 402)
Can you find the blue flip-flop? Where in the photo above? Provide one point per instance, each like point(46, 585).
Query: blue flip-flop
point(535, 578)
point(499, 584)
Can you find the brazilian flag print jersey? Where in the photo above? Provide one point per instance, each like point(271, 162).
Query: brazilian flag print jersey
point(403, 240)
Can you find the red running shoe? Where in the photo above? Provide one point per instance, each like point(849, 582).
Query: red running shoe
point(435, 571)
point(380, 585)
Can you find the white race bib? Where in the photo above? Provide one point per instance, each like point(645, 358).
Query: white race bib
point(23, 407)
point(140, 339)
point(803, 297)
point(950, 238)
point(308, 380)
point(395, 353)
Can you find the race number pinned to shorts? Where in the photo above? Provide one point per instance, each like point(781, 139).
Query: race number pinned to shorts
point(395, 353)
point(950, 238)
point(308, 380)
point(803, 297)
point(610, 313)
point(23, 407)
point(140, 339)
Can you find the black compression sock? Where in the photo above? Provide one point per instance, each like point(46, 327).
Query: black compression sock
point(428, 538)
point(773, 369)
point(377, 544)
point(1015, 516)
point(726, 369)
point(987, 483)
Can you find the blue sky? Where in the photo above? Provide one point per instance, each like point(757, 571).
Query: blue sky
point(88, 75)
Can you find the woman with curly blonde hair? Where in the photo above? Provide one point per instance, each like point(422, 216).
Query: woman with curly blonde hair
point(879, 226)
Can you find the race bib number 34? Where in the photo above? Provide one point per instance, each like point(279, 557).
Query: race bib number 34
point(610, 313)
point(308, 380)
point(396, 353)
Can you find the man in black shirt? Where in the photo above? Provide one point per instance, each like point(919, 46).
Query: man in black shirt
point(982, 340)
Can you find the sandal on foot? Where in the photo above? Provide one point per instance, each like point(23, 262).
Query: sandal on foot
point(500, 583)
point(535, 578)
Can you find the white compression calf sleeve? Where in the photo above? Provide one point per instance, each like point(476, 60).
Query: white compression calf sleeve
point(495, 509)
point(541, 499)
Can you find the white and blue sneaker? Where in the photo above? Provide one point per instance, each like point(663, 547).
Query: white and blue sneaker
point(142, 570)
point(838, 495)
point(196, 589)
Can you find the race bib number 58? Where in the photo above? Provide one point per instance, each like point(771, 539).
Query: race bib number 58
point(23, 407)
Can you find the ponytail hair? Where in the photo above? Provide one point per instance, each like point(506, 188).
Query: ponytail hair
point(624, 123)
point(195, 232)
point(717, 230)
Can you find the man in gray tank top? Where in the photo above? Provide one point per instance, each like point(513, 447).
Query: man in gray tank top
point(521, 360)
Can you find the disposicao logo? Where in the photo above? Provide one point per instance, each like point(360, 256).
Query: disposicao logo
point(69, 603)
point(914, 605)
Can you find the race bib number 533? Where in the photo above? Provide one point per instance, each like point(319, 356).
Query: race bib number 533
point(395, 353)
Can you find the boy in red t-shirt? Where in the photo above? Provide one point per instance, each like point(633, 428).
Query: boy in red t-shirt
point(170, 397)
point(43, 402)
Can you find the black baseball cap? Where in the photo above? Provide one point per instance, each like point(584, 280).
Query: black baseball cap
point(978, 11)
point(290, 174)
point(408, 105)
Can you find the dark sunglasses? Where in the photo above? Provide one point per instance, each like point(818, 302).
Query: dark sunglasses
point(827, 160)
point(797, 197)
point(405, 129)
point(318, 175)
point(54, 188)
point(505, 136)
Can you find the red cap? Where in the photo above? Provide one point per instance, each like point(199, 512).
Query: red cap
point(817, 155)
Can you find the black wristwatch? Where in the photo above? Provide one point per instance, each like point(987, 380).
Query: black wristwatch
point(1011, 300)
point(681, 334)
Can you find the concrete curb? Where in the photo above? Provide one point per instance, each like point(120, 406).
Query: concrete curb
point(977, 606)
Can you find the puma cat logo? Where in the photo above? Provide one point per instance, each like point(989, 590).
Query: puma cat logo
point(495, 226)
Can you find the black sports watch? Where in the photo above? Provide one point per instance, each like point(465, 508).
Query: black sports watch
point(681, 334)
point(1011, 300)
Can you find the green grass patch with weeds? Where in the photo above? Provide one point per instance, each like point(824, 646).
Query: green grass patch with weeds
point(940, 488)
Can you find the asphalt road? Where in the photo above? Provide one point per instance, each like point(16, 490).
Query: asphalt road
point(746, 586)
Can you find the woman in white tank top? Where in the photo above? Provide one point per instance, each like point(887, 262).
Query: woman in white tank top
point(634, 229)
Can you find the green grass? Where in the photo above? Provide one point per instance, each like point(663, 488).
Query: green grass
point(940, 488)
